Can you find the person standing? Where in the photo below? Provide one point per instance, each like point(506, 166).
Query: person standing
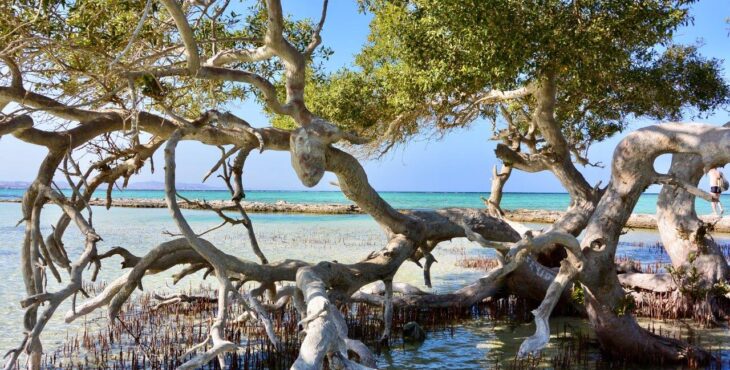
point(717, 179)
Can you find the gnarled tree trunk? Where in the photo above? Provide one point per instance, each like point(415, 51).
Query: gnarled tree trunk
point(608, 305)
point(698, 264)
point(684, 235)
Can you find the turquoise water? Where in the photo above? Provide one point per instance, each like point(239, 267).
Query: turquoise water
point(402, 200)
point(346, 238)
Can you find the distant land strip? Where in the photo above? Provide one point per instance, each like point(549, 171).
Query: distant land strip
point(636, 221)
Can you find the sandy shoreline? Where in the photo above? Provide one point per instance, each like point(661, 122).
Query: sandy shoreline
point(638, 221)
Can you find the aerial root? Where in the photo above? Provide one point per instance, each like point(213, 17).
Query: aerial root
point(569, 268)
point(31, 343)
point(325, 329)
point(539, 340)
point(430, 260)
point(217, 338)
point(211, 255)
point(387, 312)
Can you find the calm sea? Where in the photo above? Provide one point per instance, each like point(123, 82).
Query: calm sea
point(346, 238)
point(402, 200)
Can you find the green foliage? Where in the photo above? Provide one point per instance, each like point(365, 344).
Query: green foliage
point(691, 283)
point(721, 288)
point(625, 306)
point(75, 50)
point(613, 60)
point(688, 281)
point(339, 97)
point(577, 294)
point(423, 64)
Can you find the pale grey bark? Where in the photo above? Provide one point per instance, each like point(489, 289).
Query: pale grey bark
point(442, 225)
point(499, 179)
point(555, 156)
point(632, 171)
point(685, 237)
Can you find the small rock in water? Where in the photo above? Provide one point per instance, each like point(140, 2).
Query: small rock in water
point(413, 333)
point(281, 202)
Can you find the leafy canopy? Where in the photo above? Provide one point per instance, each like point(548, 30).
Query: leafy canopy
point(84, 50)
point(427, 62)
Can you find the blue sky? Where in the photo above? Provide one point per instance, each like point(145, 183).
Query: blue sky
point(460, 161)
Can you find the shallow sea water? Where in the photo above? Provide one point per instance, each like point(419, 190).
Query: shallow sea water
point(400, 200)
point(476, 344)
